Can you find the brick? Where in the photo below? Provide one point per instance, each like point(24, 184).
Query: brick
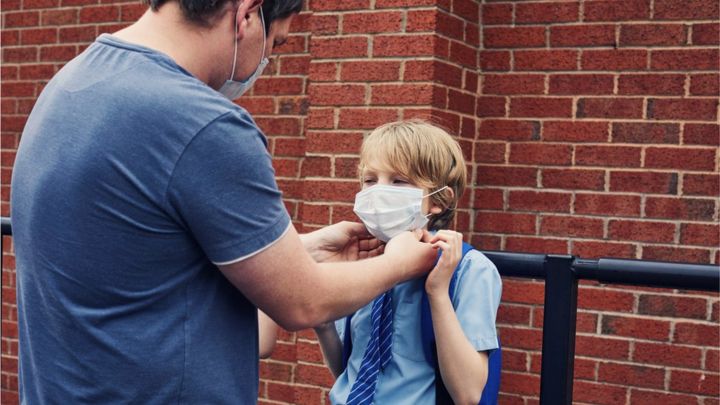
point(77, 34)
point(685, 59)
point(540, 154)
point(581, 84)
point(701, 184)
point(99, 14)
point(705, 85)
point(450, 26)
point(514, 315)
point(488, 199)
point(402, 94)
point(321, 118)
point(667, 354)
point(683, 109)
point(19, 55)
point(700, 234)
point(615, 59)
point(612, 10)
point(641, 231)
point(712, 360)
point(329, 48)
point(334, 142)
point(702, 159)
point(21, 19)
point(672, 306)
point(336, 94)
point(575, 131)
point(18, 89)
point(294, 65)
point(316, 166)
point(493, 14)
point(37, 72)
point(533, 13)
point(638, 328)
point(463, 54)
point(524, 200)
point(285, 167)
point(706, 34)
point(602, 347)
point(403, 45)
point(573, 179)
point(346, 167)
point(605, 299)
point(464, 103)
point(513, 84)
point(278, 86)
point(607, 156)
point(582, 35)
point(488, 106)
point(365, 23)
point(536, 245)
point(507, 37)
point(509, 130)
point(652, 84)
point(9, 37)
point(497, 222)
point(656, 397)
point(541, 107)
point(132, 12)
point(632, 375)
point(369, 71)
point(38, 36)
point(607, 205)
point(321, 24)
point(323, 5)
point(571, 226)
point(653, 35)
point(686, 10)
point(680, 208)
point(546, 60)
point(521, 338)
point(468, 10)
point(442, 73)
point(492, 61)
point(645, 133)
point(610, 108)
point(486, 242)
point(522, 384)
point(695, 382)
point(596, 250)
point(365, 118)
point(323, 190)
point(675, 254)
point(323, 71)
point(644, 182)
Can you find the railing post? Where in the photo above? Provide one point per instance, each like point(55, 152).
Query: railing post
point(558, 346)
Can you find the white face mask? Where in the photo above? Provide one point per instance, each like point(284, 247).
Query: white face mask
point(233, 89)
point(388, 211)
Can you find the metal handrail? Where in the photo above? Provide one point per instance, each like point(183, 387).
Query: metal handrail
point(561, 274)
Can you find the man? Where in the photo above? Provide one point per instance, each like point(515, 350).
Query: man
point(149, 228)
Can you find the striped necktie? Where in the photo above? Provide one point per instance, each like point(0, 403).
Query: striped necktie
point(378, 351)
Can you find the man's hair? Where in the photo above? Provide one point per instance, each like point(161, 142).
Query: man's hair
point(427, 155)
point(197, 11)
point(278, 10)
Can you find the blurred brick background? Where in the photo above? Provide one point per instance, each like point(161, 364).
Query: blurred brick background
point(591, 128)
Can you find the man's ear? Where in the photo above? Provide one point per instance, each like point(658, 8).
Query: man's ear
point(244, 10)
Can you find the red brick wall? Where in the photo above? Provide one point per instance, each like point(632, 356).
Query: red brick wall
point(591, 128)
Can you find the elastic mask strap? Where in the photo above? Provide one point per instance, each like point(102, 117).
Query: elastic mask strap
point(435, 192)
point(237, 27)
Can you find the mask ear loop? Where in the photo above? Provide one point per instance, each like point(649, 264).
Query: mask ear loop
point(237, 28)
point(434, 192)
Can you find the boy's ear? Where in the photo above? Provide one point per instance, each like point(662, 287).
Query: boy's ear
point(436, 209)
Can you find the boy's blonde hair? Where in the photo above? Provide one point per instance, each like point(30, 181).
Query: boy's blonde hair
point(427, 155)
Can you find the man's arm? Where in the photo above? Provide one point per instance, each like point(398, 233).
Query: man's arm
point(298, 293)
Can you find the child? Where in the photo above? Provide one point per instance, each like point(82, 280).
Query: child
point(413, 174)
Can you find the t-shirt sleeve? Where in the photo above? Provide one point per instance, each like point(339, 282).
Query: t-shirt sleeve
point(223, 190)
point(476, 300)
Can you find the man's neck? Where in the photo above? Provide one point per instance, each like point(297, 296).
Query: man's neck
point(193, 47)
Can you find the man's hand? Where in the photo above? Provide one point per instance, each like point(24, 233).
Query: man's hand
point(344, 241)
point(410, 254)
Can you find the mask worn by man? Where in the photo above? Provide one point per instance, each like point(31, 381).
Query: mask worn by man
point(233, 89)
point(388, 211)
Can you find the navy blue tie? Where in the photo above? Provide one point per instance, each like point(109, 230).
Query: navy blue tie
point(378, 351)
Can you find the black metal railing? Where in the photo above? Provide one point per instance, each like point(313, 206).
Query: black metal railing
point(561, 274)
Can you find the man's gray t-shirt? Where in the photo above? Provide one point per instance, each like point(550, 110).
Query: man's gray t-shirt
point(132, 180)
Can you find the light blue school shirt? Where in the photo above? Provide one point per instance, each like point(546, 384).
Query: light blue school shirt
point(132, 179)
point(409, 378)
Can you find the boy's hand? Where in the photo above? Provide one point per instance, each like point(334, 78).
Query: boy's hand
point(450, 242)
point(410, 255)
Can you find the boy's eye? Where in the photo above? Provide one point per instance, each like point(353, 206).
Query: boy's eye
point(400, 181)
point(369, 181)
